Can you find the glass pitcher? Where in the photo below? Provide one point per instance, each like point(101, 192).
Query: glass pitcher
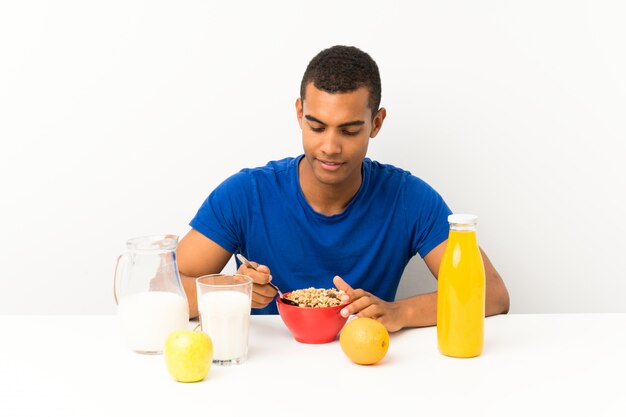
point(149, 294)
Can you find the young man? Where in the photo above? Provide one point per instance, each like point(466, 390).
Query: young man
point(330, 216)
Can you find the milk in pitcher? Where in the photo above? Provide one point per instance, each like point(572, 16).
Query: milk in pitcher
point(147, 318)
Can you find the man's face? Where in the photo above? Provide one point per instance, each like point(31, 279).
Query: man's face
point(335, 134)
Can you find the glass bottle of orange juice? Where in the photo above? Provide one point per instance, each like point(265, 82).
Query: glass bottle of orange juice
point(461, 291)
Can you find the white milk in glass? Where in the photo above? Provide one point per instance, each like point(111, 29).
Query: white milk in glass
point(225, 318)
point(147, 319)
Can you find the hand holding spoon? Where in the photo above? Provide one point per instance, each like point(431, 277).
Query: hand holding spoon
point(244, 261)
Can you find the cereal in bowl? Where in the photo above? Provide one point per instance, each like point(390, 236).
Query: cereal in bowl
point(316, 297)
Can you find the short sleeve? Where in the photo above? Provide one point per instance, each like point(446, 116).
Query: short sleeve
point(220, 216)
point(427, 216)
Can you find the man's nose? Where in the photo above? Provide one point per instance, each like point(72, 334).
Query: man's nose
point(331, 143)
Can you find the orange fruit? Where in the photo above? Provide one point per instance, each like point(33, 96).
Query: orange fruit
point(365, 341)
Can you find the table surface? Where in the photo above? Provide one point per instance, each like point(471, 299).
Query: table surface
point(544, 364)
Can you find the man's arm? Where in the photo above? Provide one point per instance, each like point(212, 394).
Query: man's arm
point(421, 310)
point(198, 255)
point(496, 294)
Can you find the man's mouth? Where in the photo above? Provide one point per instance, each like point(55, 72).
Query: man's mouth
point(329, 165)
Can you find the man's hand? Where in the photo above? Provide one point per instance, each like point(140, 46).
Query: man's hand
point(262, 294)
point(364, 304)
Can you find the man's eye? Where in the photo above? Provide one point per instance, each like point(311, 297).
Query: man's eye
point(317, 129)
point(350, 133)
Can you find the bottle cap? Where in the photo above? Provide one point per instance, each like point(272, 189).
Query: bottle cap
point(462, 219)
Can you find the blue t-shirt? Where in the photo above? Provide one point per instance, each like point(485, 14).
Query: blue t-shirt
point(262, 214)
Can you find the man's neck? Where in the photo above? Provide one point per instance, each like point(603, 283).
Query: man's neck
point(326, 199)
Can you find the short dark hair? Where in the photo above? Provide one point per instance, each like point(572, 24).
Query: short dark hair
point(342, 69)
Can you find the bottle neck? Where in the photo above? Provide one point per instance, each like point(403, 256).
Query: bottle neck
point(462, 227)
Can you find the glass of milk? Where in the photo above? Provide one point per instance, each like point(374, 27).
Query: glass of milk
point(224, 303)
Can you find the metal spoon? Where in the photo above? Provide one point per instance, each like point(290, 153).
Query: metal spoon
point(244, 261)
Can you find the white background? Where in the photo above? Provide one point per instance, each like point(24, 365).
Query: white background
point(118, 118)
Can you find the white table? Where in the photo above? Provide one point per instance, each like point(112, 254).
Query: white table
point(539, 365)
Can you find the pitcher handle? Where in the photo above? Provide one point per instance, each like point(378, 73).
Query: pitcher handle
point(116, 276)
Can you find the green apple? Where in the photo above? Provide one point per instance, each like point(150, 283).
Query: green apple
point(188, 355)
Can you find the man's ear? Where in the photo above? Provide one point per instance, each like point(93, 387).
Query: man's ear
point(377, 123)
point(299, 111)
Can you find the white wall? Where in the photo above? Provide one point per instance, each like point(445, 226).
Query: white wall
point(117, 119)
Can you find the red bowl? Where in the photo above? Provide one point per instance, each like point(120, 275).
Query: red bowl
point(312, 324)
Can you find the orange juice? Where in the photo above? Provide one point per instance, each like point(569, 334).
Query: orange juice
point(461, 291)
